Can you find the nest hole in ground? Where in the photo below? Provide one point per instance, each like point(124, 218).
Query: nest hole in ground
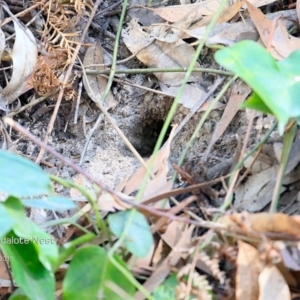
point(149, 133)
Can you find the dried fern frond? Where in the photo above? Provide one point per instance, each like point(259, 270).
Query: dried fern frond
point(201, 289)
point(213, 265)
point(60, 36)
point(44, 80)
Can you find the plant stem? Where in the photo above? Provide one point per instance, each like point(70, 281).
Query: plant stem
point(156, 70)
point(287, 146)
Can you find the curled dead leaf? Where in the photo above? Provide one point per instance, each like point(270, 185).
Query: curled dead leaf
point(24, 56)
point(95, 84)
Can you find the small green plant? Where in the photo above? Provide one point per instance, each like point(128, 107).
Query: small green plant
point(276, 84)
point(276, 91)
point(33, 254)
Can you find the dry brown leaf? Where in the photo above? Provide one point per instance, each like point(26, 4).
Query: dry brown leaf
point(161, 272)
point(161, 252)
point(73, 191)
point(239, 93)
point(257, 191)
point(283, 44)
point(249, 267)
point(227, 14)
point(143, 262)
point(24, 56)
point(190, 95)
point(107, 203)
point(230, 33)
point(146, 17)
point(176, 13)
point(263, 26)
point(288, 275)
point(173, 233)
point(160, 168)
point(95, 85)
point(157, 54)
point(206, 105)
point(171, 33)
point(272, 285)
point(263, 160)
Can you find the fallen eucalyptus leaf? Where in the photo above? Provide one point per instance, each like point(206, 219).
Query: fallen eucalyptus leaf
point(24, 56)
point(158, 54)
point(95, 84)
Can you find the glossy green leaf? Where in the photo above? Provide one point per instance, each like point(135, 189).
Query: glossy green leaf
point(43, 243)
point(18, 295)
point(255, 102)
point(20, 177)
point(166, 291)
point(92, 276)
point(35, 280)
point(276, 83)
point(139, 238)
point(55, 203)
point(6, 221)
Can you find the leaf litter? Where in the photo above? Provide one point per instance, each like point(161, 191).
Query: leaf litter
point(250, 255)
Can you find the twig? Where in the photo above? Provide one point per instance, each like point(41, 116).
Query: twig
point(198, 105)
point(241, 162)
point(78, 102)
point(123, 60)
point(16, 126)
point(108, 9)
point(249, 168)
point(88, 138)
point(125, 81)
point(24, 12)
point(234, 177)
point(202, 120)
point(66, 79)
point(31, 103)
point(26, 25)
point(154, 211)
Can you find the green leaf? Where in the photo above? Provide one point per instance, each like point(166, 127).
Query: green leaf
point(139, 238)
point(166, 291)
point(34, 279)
point(43, 243)
point(92, 276)
point(276, 83)
point(52, 202)
point(18, 295)
point(255, 102)
point(6, 221)
point(22, 178)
